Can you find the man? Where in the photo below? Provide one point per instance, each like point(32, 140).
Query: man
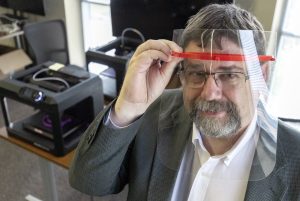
point(212, 139)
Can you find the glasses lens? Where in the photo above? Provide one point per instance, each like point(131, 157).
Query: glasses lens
point(225, 80)
point(229, 80)
point(195, 78)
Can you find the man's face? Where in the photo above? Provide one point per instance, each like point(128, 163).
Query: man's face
point(222, 108)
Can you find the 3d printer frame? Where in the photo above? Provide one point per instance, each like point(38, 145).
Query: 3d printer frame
point(124, 49)
point(83, 100)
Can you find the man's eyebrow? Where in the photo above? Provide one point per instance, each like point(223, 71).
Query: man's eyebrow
point(195, 66)
point(230, 68)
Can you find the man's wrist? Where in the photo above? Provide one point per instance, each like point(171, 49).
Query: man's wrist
point(123, 114)
point(120, 120)
point(107, 120)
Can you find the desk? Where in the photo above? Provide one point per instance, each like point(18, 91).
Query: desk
point(45, 161)
point(17, 36)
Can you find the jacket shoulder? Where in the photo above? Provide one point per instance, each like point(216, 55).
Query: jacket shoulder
point(289, 141)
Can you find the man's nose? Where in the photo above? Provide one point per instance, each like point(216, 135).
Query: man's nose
point(210, 89)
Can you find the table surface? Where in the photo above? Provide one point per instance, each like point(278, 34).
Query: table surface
point(11, 35)
point(63, 161)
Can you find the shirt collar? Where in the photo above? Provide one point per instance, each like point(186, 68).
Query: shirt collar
point(230, 154)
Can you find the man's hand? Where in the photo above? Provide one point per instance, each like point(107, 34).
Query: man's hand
point(148, 73)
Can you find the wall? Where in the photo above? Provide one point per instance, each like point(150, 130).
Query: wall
point(262, 9)
point(75, 32)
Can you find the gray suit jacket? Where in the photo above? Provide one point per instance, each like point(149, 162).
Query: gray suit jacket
point(147, 154)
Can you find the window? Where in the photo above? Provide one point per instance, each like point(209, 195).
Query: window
point(96, 23)
point(97, 29)
point(285, 96)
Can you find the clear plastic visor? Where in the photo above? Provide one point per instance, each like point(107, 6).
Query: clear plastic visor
point(231, 67)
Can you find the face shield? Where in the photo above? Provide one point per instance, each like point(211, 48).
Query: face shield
point(236, 63)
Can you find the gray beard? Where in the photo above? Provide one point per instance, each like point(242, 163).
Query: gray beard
point(226, 127)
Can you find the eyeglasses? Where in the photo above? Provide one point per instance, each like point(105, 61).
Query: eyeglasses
point(224, 80)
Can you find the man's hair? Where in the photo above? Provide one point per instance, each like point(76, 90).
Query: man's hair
point(227, 17)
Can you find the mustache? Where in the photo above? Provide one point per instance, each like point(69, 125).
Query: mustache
point(214, 106)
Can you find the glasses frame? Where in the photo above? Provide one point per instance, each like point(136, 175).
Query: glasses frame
point(182, 70)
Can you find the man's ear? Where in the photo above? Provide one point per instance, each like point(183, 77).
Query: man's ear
point(265, 71)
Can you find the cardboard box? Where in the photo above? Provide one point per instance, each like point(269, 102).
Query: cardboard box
point(13, 61)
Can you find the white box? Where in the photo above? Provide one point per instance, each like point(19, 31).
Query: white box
point(13, 61)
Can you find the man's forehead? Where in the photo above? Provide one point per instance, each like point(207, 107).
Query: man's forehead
point(216, 65)
point(224, 46)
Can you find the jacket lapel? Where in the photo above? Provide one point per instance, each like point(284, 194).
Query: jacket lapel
point(271, 186)
point(269, 189)
point(174, 129)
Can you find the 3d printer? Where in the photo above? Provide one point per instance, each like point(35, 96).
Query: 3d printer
point(65, 99)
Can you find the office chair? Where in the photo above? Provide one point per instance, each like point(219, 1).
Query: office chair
point(48, 41)
point(293, 122)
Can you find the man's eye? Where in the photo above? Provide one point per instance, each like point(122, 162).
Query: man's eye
point(229, 76)
point(196, 73)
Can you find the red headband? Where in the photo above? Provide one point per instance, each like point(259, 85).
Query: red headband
point(218, 57)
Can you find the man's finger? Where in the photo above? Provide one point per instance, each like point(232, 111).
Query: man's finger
point(172, 45)
point(144, 60)
point(159, 45)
